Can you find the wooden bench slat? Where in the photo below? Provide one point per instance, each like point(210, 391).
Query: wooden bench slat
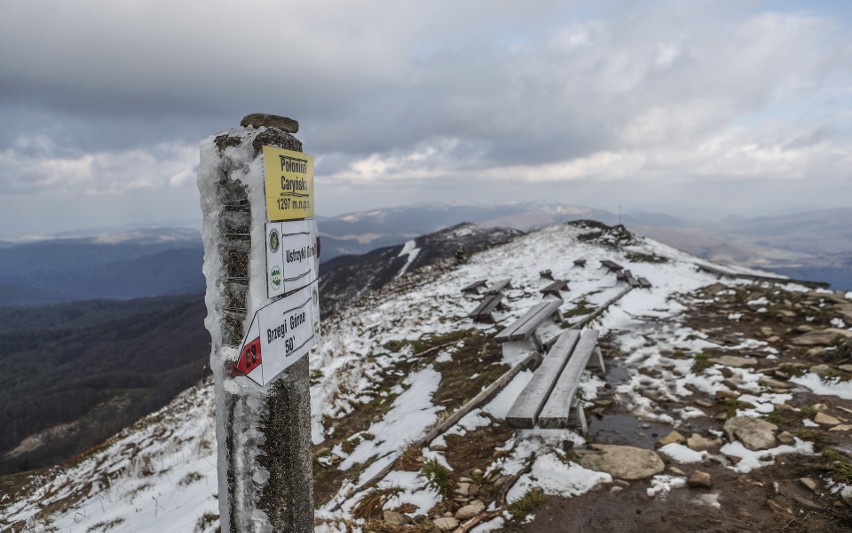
point(534, 396)
point(486, 307)
point(474, 287)
point(511, 328)
point(556, 410)
point(555, 287)
point(499, 286)
point(612, 266)
point(527, 324)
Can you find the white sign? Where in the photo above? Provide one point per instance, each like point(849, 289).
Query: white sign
point(280, 334)
point(292, 256)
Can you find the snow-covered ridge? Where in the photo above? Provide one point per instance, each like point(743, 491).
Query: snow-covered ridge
point(371, 365)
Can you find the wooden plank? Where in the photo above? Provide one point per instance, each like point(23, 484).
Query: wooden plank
point(612, 266)
point(509, 334)
point(555, 412)
point(599, 311)
point(475, 286)
point(596, 361)
point(633, 282)
point(484, 396)
point(644, 283)
point(555, 287)
point(499, 286)
point(524, 411)
point(527, 324)
point(486, 307)
point(578, 416)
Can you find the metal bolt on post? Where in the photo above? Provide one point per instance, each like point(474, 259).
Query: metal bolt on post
point(263, 430)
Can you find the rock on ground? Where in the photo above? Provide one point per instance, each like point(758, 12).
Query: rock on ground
point(393, 518)
point(469, 511)
point(733, 360)
point(672, 438)
point(700, 443)
point(700, 479)
point(622, 462)
point(446, 523)
point(754, 433)
point(824, 337)
point(826, 420)
point(785, 437)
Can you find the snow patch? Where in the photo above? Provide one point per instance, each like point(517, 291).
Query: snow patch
point(558, 478)
point(825, 387)
point(661, 485)
point(751, 460)
point(411, 250)
point(682, 454)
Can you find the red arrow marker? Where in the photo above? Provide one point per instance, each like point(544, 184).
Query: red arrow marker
point(250, 357)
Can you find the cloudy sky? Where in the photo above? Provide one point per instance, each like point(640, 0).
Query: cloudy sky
point(695, 108)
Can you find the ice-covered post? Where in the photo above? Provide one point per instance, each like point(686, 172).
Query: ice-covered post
point(261, 258)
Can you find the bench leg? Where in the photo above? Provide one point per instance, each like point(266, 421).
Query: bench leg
point(580, 413)
point(536, 342)
point(596, 361)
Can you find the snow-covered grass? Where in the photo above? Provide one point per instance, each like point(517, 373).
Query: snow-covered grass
point(158, 475)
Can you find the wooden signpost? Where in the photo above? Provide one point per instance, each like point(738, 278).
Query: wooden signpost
point(261, 264)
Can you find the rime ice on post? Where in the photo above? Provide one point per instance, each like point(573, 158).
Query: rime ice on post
point(257, 353)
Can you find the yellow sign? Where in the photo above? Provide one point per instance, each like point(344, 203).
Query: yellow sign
point(289, 184)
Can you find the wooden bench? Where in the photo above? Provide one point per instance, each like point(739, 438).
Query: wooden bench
point(499, 286)
point(474, 287)
point(555, 288)
point(580, 263)
point(483, 312)
point(524, 327)
point(556, 413)
point(550, 396)
point(612, 266)
point(628, 277)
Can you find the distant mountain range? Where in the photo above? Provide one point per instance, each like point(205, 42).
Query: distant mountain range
point(136, 263)
point(119, 266)
point(357, 233)
point(813, 245)
point(345, 278)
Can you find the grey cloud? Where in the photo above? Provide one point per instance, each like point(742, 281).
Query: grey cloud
point(481, 85)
